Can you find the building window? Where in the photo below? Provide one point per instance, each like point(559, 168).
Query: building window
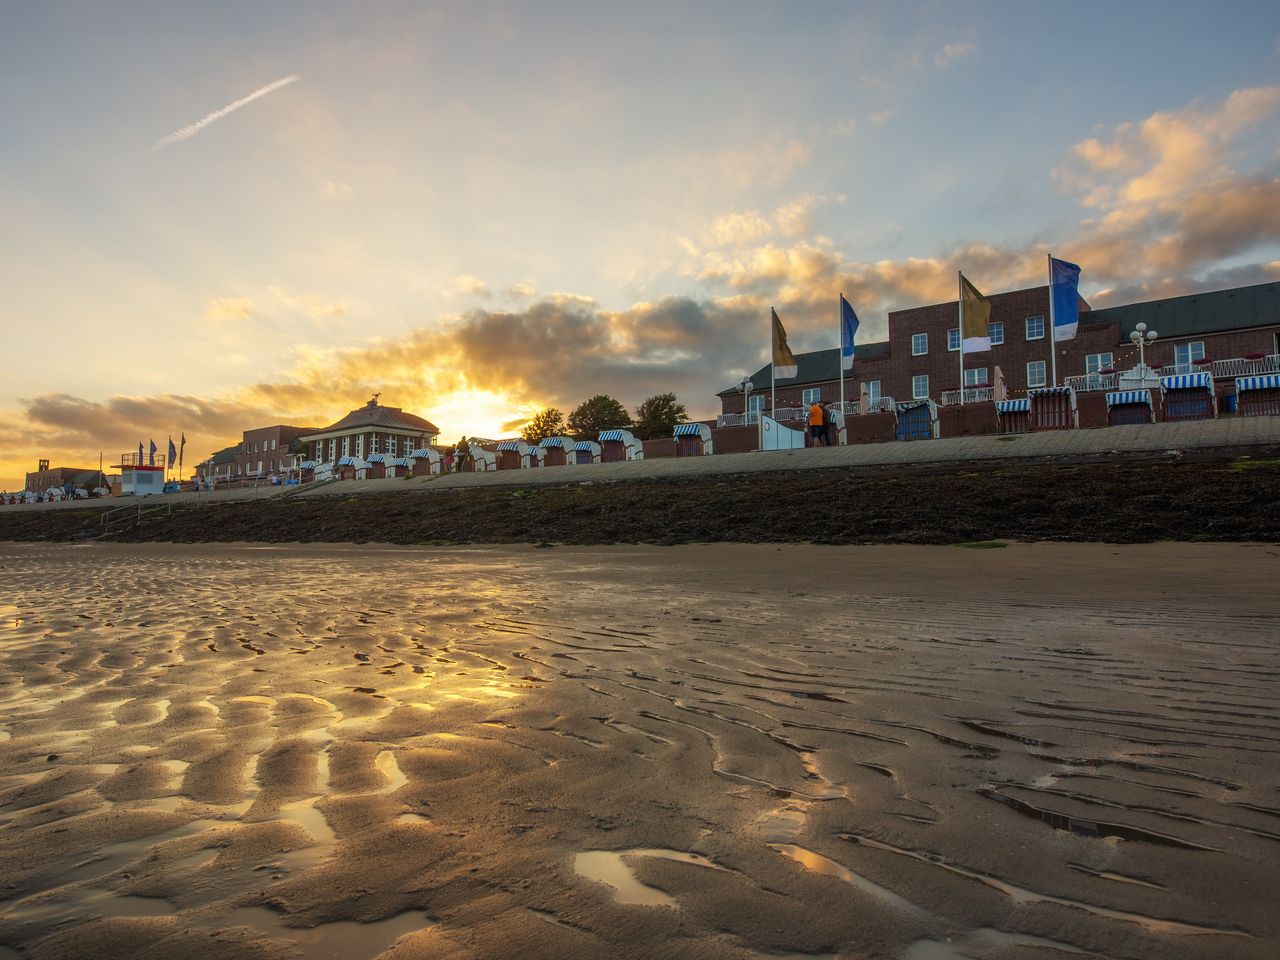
point(976, 376)
point(919, 344)
point(953, 339)
point(873, 390)
point(755, 403)
point(1035, 328)
point(920, 387)
point(346, 446)
point(996, 332)
point(1035, 373)
point(810, 395)
point(1094, 362)
point(1186, 353)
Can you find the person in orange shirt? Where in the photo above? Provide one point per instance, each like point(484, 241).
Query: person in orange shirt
point(815, 424)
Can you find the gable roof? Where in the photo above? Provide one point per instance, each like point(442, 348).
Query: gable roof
point(225, 455)
point(373, 414)
point(817, 366)
point(1212, 312)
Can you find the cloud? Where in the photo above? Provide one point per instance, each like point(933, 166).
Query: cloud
point(470, 286)
point(522, 290)
point(306, 305)
point(1168, 153)
point(337, 190)
point(191, 129)
point(219, 309)
point(952, 52)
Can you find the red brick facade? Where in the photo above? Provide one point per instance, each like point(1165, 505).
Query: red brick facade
point(892, 370)
point(264, 452)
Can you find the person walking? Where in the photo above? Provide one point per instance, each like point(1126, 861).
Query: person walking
point(828, 426)
point(815, 423)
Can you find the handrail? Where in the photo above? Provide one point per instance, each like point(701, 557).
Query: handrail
point(135, 513)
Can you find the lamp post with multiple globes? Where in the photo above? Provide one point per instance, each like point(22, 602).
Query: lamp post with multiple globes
point(1140, 337)
point(745, 388)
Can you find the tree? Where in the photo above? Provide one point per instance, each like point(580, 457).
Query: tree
point(545, 423)
point(601, 412)
point(658, 416)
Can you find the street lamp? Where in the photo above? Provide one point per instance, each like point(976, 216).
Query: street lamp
point(745, 388)
point(1141, 336)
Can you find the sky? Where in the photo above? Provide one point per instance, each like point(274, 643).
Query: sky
point(224, 216)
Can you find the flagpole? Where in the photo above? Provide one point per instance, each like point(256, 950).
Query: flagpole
point(840, 340)
point(773, 367)
point(1053, 331)
point(960, 331)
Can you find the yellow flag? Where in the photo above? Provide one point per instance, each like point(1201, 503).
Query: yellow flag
point(784, 361)
point(975, 316)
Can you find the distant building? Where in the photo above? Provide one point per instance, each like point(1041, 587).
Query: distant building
point(220, 467)
point(266, 452)
point(921, 357)
point(38, 481)
point(367, 430)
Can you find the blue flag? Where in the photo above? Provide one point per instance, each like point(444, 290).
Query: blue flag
point(173, 452)
point(139, 453)
point(1064, 289)
point(151, 459)
point(848, 327)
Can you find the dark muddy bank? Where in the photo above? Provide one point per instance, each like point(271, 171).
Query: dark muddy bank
point(1122, 502)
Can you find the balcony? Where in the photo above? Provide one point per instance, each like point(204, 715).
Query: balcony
point(971, 395)
point(1221, 370)
point(849, 408)
point(1093, 382)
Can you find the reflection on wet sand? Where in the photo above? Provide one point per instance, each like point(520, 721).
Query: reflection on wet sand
point(313, 752)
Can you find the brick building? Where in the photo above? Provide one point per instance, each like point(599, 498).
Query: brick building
point(367, 430)
point(266, 452)
point(38, 481)
point(221, 467)
point(921, 359)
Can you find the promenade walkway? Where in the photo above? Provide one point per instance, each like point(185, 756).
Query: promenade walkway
point(1234, 432)
point(1149, 438)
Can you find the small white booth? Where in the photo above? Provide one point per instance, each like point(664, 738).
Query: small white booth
point(692, 440)
point(1129, 407)
point(619, 445)
point(513, 454)
point(1188, 396)
point(586, 451)
point(557, 451)
point(424, 462)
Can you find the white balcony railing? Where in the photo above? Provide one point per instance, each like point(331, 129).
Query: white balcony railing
point(1221, 370)
point(1244, 367)
point(849, 408)
point(971, 395)
point(1092, 382)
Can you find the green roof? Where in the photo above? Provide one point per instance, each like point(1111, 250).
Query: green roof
point(818, 366)
point(226, 455)
point(1213, 312)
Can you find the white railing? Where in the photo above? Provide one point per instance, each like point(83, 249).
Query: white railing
point(1220, 369)
point(971, 395)
point(849, 408)
point(1244, 367)
point(1092, 382)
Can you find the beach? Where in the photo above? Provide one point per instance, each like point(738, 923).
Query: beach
point(701, 751)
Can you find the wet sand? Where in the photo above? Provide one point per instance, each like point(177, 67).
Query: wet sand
point(692, 752)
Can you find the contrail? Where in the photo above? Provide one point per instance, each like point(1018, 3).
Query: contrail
point(192, 129)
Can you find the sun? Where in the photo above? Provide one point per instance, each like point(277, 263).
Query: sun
point(477, 413)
